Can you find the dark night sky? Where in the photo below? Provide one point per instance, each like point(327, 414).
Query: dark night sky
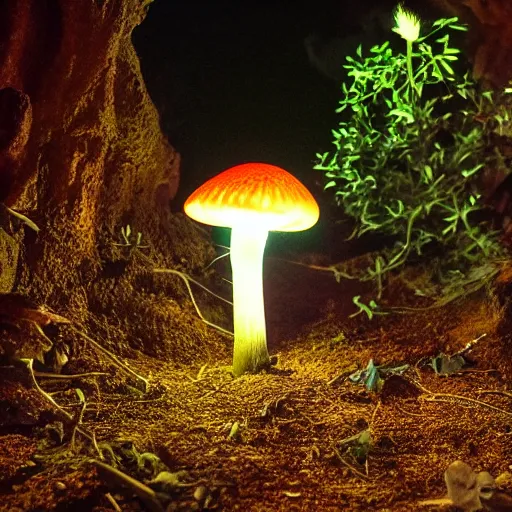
point(233, 83)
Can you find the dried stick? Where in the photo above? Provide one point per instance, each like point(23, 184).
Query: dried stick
point(145, 493)
point(122, 366)
point(187, 280)
point(349, 466)
point(69, 418)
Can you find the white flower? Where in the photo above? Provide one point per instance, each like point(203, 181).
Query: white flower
point(407, 24)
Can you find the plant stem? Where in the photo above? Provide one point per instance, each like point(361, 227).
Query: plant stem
point(414, 89)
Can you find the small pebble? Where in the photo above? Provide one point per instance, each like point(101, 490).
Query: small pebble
point(60, 486)
point(201, 493)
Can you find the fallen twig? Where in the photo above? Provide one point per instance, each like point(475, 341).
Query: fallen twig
point(187, 280)
point(68, 417)
point(113, 502)
point(451, 398)
point(349, 466)
point(339, 377)
point(495, 392)
point(122, 366)
point(80, 418)
point(68, 377)
point(438, 502)
point(31, 224)
point(30, 363)
point(145, 493)
point(447, 397)
point(213, 391)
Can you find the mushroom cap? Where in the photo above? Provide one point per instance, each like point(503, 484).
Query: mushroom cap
point(254, 194)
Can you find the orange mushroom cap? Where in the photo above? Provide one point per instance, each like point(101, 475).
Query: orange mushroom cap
point(254, 194)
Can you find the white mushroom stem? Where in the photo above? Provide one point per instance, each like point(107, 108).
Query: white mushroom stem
point(250, 349)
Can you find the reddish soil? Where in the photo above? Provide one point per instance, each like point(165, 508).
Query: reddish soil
point(289, 449)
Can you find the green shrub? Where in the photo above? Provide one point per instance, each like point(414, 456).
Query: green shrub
point(413, 139)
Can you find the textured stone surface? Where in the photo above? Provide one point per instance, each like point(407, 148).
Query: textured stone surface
point(81, 151)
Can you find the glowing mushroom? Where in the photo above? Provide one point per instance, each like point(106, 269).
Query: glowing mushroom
point(252, 199)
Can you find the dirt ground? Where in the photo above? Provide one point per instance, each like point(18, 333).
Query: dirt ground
point(303, 437)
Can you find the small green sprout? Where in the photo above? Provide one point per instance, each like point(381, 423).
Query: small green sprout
point(129, 241)
point(363, 308)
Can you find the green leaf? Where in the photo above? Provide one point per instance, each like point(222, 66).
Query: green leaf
point(436, 74)
point(464, 157)
point(362, 307)
point(447, 365)
point(401, 113)
point(462, 28)
point(446, 66)
point(469, 172)
point(453, 51)
point(369, 377)
point(436, 23)
point(80, 395)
